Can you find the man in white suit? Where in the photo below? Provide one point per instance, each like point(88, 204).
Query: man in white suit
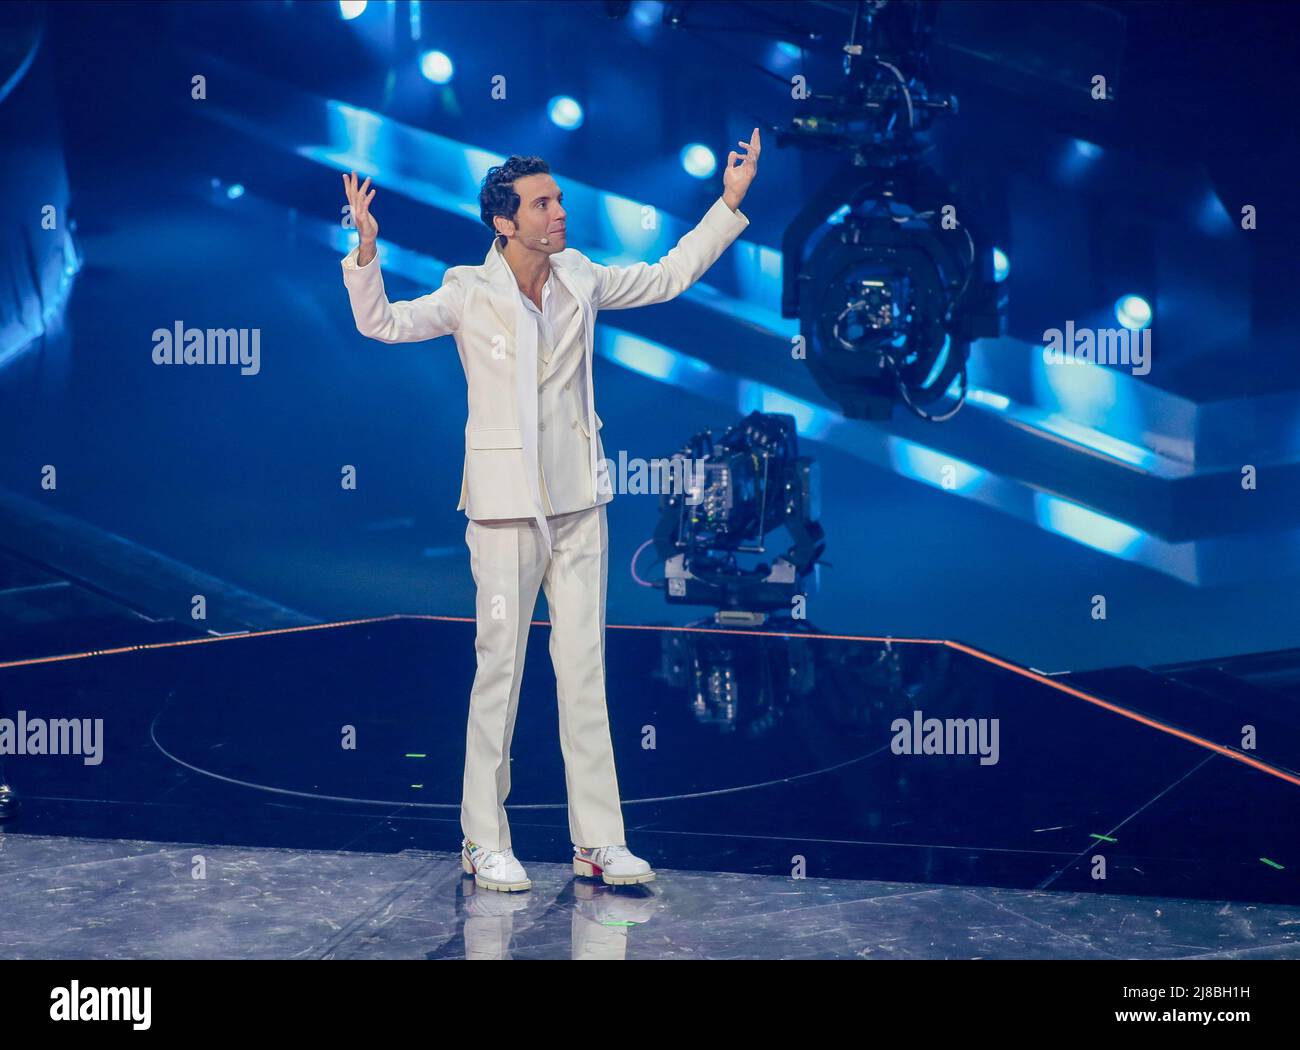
point(535, 479)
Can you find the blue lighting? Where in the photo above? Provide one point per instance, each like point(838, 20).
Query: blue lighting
point(234, 191)
point(939, 362)
point(1091, 405)
point(647, 13)
point(626, 220)
point(988, 398)
point(1133, 312)
point(1001, 265)
point(811, 420)
point(351, 9)
point(1090, 437)
point(565, 112)
point(838, 215)
point(699, 161)
point(1084, 525)
point(1078, 158)
point(654, 360)
point(1212, 217)
point(934, 468)
point(436, 66)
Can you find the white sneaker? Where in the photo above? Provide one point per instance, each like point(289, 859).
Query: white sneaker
point(616, 865)
point(493, 869)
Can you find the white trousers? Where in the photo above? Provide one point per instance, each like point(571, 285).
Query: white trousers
point(509, 562)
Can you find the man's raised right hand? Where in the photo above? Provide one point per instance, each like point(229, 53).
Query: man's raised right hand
point(359, 204)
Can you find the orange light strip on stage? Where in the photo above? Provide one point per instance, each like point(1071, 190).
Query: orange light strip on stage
point(1227, 752)
point(1192, 738)
point(194, 641)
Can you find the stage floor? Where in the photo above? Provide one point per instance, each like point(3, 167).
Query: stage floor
point(105, 899)
point(773, 802)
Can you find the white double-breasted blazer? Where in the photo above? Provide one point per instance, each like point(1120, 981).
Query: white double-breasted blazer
point(496, 337)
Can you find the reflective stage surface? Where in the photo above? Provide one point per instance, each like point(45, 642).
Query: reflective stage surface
point(761, 775)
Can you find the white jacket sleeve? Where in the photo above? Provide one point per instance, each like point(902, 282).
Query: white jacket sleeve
point(621, 287)
point(405, 321)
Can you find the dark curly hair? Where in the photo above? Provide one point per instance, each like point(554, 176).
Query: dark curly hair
point(497, 195)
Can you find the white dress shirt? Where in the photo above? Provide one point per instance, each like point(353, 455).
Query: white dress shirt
point(559, 388)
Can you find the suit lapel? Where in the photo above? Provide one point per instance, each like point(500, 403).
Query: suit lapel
point(589, 341)
point(503, 280)
point(567, 280)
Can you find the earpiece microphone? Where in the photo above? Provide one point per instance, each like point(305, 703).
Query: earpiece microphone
point(546, 240)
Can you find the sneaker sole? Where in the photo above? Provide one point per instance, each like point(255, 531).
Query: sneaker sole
point(584, 867)
point(489, 884)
